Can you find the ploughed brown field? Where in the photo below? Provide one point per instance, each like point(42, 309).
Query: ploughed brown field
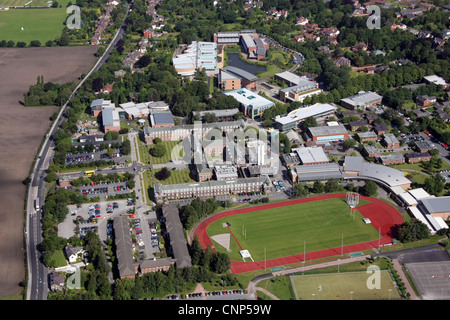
point(22, 130)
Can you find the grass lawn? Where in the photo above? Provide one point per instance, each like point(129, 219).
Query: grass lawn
point(13, 3)
point(176, 177)
point(167, 156)
point(417, 171)
point(29, 3)
point(271, 70)
point(42, 25)
point(283, 231)
point(343, 286)
point(60, 260)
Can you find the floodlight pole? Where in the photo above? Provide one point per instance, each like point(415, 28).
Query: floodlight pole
point(379, 237)
point(342, 245)
point(265, 261)
point(304, 251)
point(304, 256)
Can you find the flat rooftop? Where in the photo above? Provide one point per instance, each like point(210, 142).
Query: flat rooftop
point(327, 130)
point(311, 155)
point(249, 98)
point(362, 98)
point(437, 204)
point(291, 77)
point(306, 112)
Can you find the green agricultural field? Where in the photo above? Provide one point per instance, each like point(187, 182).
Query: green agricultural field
point(37, 24)
point(285, 231)
point(344, 286)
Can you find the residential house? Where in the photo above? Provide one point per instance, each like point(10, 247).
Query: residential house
point(356, 125)
point(108, 88)
point(380, 128)
point(367, 136)
point(342, 61)
point(331, 32)
point(371, 151)
point(393, 158)
point(438, 81)
point(57, 281)
point(311, 27)
point(301, 21)
point(390, 141)
point(425, 101)
point(73, 253)
point(414, 157)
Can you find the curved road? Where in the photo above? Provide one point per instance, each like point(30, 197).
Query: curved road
point(37, 287)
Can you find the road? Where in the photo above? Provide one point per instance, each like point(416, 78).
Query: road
point(37, 287)
point(298, 57)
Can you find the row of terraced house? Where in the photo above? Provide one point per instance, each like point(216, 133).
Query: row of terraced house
point(103, 22)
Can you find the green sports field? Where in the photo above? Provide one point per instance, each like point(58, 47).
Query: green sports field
point(344, 286)
point(38, 24)
point(284, 231)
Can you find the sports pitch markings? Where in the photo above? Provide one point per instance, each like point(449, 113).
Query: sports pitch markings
point(343, 286)
point(382, 215)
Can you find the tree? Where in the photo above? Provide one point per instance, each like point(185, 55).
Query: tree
point(163, 174)
point(220, 262)
point(122, 289)
point(318, 187)
point(111, 135)
point(299, 189)
point(370, 189)
point(35, 43)
point(309, 123)
point(349, 144)
point(144, 61)
point(434, 185)
point(97, 84)
point(158, 151)
point(51, 177)
point(412, 230)
point(196, 251)
point(209, 117)
point(332, 185)
point(126, 147)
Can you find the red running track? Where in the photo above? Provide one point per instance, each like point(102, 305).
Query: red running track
point(382, 215)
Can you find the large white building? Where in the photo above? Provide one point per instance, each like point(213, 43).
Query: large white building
point(293, 118)
point(430, 210)
point(358, 168)
point(252, 104)
point(198, 55)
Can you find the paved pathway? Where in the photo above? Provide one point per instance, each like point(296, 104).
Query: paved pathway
point(401, 273)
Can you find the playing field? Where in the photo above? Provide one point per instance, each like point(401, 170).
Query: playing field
point(344, 286)
point(288, 230)
point(38, 24)
point(13, 3)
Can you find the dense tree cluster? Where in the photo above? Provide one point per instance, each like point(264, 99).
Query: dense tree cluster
point(197, 210)
point(412, 230)
point(48, 93)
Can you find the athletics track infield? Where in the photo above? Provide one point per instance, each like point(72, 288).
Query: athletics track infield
point(382, 215)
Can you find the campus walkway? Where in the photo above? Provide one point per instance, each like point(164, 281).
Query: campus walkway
point(401, 273)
